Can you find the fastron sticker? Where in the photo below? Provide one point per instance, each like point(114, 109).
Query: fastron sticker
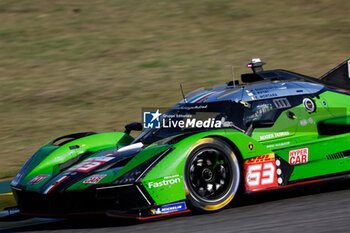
point(165, 182)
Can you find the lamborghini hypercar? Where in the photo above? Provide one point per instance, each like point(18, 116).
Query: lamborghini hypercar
point(273, 130)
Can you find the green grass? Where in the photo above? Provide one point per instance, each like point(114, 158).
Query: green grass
point(63, 71)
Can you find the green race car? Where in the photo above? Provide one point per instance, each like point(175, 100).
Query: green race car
point(278, 129)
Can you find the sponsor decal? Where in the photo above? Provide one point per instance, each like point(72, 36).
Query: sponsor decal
point(170, 180)
point(192, 123)
point(197, 107)
point(304, 122)
point(278, 144)
point(260, 172)
point(262, 93)
point(94, 179)
point(157, 120)
point(309, 105)
point(170, 208)
point(274, 135)
point(151, 120)
point(38, 179)
point(250, 146)
point(90, 164)
point(298, 156)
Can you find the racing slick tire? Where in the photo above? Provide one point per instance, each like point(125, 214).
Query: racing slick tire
point(212, 175)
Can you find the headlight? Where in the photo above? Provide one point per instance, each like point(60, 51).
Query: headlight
point(128, 178)
point(141, 170)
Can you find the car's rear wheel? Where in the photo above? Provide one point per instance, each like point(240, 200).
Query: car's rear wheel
point(212, 175)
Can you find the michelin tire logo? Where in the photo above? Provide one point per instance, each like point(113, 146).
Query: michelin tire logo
point(170, 208)
point(164, 183)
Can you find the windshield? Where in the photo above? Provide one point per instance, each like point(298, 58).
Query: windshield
point(195, 117)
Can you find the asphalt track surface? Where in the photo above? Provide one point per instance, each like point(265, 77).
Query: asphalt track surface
point(320, 208)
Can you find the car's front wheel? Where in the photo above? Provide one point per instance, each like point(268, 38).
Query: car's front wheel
point(212, 175)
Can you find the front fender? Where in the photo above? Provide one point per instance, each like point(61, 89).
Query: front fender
point(47, 159)
point(165, 181)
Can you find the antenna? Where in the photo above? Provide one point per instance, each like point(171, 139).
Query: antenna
point(182, 92)
point(233, 76)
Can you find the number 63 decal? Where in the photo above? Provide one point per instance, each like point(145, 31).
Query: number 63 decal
point(260, 172)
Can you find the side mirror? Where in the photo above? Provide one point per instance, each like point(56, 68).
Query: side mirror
point(258, 124)
point(262, 123)
point(137, 126)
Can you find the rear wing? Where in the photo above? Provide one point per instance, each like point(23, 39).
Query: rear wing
point(339, 76)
